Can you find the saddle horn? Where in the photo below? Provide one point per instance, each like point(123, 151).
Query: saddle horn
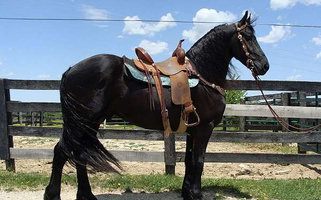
point(179, 52)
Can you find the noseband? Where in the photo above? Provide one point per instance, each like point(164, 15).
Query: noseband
point(249, 60)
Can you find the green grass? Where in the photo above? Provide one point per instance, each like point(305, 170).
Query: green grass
point(31, 181)
point(273, 147)
point(305, 189)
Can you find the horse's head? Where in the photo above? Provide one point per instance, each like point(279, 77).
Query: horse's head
point(245, 47)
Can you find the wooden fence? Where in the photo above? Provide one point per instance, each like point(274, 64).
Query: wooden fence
point(169, 156)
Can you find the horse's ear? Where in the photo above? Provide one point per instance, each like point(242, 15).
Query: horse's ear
point(249, 19)
point(245, 18)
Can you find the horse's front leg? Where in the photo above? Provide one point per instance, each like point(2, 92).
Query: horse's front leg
point(196, 143)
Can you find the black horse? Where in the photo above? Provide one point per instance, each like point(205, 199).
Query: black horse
point(96, 88)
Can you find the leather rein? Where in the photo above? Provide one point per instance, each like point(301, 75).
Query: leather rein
point(250, 65)
point(280, 120)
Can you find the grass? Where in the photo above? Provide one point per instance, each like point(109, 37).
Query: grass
point(272, 147)
point(305, 189)
point(29, 181)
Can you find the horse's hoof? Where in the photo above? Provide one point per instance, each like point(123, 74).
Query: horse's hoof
point(188, 195)
point(47, 197)
point(193, 198)
point(82, 196)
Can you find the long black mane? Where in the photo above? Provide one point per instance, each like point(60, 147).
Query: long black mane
point(210, 55)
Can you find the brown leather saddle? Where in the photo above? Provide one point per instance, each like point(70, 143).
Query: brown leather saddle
point(175, 68)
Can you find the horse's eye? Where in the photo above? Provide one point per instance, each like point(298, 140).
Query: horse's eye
point(247, 36)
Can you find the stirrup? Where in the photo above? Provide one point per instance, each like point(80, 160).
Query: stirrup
point(188, 110)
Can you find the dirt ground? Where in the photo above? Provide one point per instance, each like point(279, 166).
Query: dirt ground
point(70, 195)
point(211, 170)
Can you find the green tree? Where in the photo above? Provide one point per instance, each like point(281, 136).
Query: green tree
point(234, 96)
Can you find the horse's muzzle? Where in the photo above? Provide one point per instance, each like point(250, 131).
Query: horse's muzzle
point(262, 69)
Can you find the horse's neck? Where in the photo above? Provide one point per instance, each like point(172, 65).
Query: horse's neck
point(211, 59)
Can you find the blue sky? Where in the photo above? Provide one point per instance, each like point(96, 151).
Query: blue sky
point(45, 49)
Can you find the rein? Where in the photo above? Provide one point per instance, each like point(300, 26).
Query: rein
point(250, 66)
point(281, 121)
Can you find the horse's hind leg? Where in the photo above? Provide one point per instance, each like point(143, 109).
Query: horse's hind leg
point(53, 189)
point(84, 189)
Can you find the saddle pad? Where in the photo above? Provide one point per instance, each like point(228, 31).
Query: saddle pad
point(131, 71)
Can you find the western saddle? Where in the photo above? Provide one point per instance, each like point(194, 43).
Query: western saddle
point(175, 68)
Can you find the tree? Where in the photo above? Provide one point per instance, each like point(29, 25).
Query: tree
point(234, 96)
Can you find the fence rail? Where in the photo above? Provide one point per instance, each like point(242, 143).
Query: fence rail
point(143, 134)
point(169, 156)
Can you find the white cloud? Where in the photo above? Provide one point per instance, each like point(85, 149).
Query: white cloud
point(133, 25)
point(153, 47)
point(8, 74)
point(206, 15)
point(277, 4)
point(94, 13)
point(5, 73)
point(282, 4)
point(317, 40)
point(44, 76)
point(277, 34)
point(294, 77)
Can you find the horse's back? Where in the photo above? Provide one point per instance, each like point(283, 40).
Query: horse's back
point(88, 71)
point(89, 79)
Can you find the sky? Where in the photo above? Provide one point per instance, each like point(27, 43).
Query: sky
point(44, 49)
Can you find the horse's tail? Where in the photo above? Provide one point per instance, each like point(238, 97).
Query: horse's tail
point(79, 140)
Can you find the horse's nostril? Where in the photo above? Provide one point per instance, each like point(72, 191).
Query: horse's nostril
point(266, 66)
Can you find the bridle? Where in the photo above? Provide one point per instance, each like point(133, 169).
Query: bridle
point(249, 61)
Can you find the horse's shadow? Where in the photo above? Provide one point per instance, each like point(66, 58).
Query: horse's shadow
point(209, 193)
point(170, 195)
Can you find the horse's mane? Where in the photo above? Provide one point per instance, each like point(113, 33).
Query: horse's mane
point(209, 55)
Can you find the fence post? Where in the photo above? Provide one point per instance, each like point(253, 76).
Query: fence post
point(20, 120)
point(285, 101)
point(33, 119)
point(170, 154)
point(41, 117)
point(6, 141)
point(302, 96)
point(243, 119)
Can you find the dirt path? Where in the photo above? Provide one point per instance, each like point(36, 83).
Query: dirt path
point(70, 195)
